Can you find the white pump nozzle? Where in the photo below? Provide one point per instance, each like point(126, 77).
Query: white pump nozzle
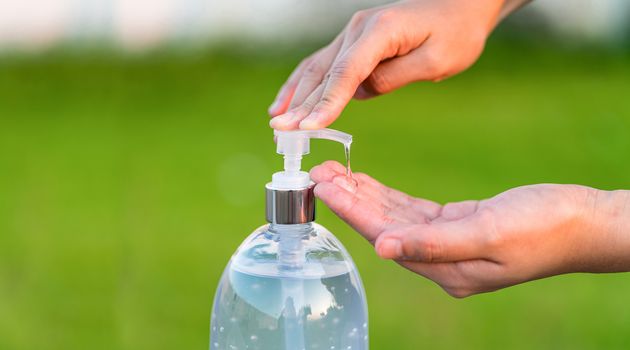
point(293, 145)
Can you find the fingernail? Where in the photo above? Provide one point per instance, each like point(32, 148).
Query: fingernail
point(390, 248)
point(272, 109)
point(311, 122)
point(278, 121)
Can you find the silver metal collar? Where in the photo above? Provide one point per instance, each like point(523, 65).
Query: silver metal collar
point(289, 207)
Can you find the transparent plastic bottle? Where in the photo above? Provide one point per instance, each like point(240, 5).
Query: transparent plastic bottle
point(291, 285)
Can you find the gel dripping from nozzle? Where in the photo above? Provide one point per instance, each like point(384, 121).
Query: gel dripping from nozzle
point(349, 177)
point(346, 147)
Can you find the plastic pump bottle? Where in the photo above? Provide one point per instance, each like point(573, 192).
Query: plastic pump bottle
point(291, 285)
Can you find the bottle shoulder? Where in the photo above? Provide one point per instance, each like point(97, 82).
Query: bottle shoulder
point(305, 251)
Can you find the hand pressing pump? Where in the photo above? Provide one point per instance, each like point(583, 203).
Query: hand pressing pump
point(291, 285)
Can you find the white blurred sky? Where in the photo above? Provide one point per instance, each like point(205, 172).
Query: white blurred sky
point(137, 24)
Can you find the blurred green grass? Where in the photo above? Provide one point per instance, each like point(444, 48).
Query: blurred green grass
point(127, 182)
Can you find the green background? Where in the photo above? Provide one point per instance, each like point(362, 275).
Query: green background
point(126, 182)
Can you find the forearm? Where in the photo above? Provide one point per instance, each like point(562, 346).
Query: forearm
point(607, 247)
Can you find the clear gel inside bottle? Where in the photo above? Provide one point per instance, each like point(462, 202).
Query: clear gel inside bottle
point(290, 287)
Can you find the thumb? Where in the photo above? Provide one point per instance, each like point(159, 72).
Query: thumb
point(464, 239)
point(345, 75)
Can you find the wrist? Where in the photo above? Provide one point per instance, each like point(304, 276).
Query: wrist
point(606, 216)
point(510, 6)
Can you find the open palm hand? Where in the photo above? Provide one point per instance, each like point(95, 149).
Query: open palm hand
point(472, 246)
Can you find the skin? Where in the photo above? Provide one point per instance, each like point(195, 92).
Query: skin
point(468, 247)
point(471, 247)
point(382, 49)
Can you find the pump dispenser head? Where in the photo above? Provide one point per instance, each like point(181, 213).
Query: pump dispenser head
point(293, 145)
point(290, 198)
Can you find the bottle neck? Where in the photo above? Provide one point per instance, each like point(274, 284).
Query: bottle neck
point(294, 230)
